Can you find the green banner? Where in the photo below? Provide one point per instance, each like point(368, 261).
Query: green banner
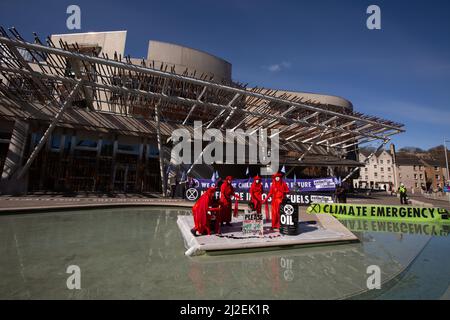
point(402, 227)
point(377, 212)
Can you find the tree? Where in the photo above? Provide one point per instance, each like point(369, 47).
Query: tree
point(411, 150)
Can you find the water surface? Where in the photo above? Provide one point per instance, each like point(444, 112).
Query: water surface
point(138, 253)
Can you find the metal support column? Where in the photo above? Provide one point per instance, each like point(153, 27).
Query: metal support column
point(161, 157)
point(49, 130)
point(367, 159)
point(195, 105)
point(312, 145)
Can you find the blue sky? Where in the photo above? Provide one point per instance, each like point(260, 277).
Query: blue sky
point(401, 72)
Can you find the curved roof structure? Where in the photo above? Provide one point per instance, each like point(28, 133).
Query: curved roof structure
point(186, 59)
point(69, 75)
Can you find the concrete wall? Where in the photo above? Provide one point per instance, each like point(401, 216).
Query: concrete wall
point(110, 42)
point(321, 98)
point(183, 57)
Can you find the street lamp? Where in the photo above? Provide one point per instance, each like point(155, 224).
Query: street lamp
point(446, 163)
point(446, 160)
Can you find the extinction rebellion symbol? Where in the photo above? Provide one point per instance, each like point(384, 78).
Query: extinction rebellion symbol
point(288, 209)
point(286, 218)
point(191, 194)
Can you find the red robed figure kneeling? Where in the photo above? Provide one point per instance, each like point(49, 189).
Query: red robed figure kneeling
point(278, 190)
point(256, 191)
point(202, 219)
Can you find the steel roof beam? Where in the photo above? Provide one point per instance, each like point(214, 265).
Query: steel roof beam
point(164, 74)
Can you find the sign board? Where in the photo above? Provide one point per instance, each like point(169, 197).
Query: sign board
point(193, 194)
point(378, 212)
point(253, 224)
point(301, 185)
point(446, 188)
point(301, 198)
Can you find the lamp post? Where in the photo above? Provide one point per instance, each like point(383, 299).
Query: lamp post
point(446, 159)
point(447, 182)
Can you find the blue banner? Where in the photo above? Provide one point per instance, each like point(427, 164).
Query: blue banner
point(299, 185)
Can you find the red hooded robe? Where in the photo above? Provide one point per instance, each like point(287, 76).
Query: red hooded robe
point(200, 211)
point(256, 191)
point(226, 191)
point(278, 190)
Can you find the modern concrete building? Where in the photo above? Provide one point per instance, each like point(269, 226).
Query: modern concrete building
point(78, 114)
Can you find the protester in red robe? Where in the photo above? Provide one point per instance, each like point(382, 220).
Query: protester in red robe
point(278, 191)
point(256, 191)
point(202, 211)
point(226, 191)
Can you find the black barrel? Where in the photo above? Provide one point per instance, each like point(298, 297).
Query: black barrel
point(288, 218)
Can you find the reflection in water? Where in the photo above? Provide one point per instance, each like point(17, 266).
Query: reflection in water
point(428, 229)
point(286, 264)
point(138, 253)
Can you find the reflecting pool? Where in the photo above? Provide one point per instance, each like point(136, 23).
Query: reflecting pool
point(138, 253)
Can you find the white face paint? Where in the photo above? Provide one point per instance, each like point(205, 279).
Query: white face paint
point(277, 178)
point(257, 181)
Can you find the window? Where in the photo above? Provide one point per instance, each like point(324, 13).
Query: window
point(367, 178)
point(128, 148)
point(389, 169)
point(417, 185)
point(421, 176)
point(381, 161)
point(152, 151)
point(388, 161)
point(366, 169)
point(382, 178)
point(375, 174)
point(374, 166)
point(414, 168)
point(436, 168)
point(438, 177)
point(415, 176)
point(55, 142)
point(107, 147)
point(87, 143)
point(389, 177)
point(382, 169)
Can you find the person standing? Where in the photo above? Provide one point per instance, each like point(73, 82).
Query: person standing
point(226, 191)
point(173, 183)
point(403, 196)
point(256, 191)
point(278, 191)
point(341, 194)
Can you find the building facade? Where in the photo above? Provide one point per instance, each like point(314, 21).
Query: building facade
point(378, 172)
point(411, 172)
point(79, 115)
point(435, 173)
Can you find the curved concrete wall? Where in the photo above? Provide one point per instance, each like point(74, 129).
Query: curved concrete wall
point(183, 57)
point(322, 98)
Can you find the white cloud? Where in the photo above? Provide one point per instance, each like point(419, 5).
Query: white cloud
point(278, 66)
